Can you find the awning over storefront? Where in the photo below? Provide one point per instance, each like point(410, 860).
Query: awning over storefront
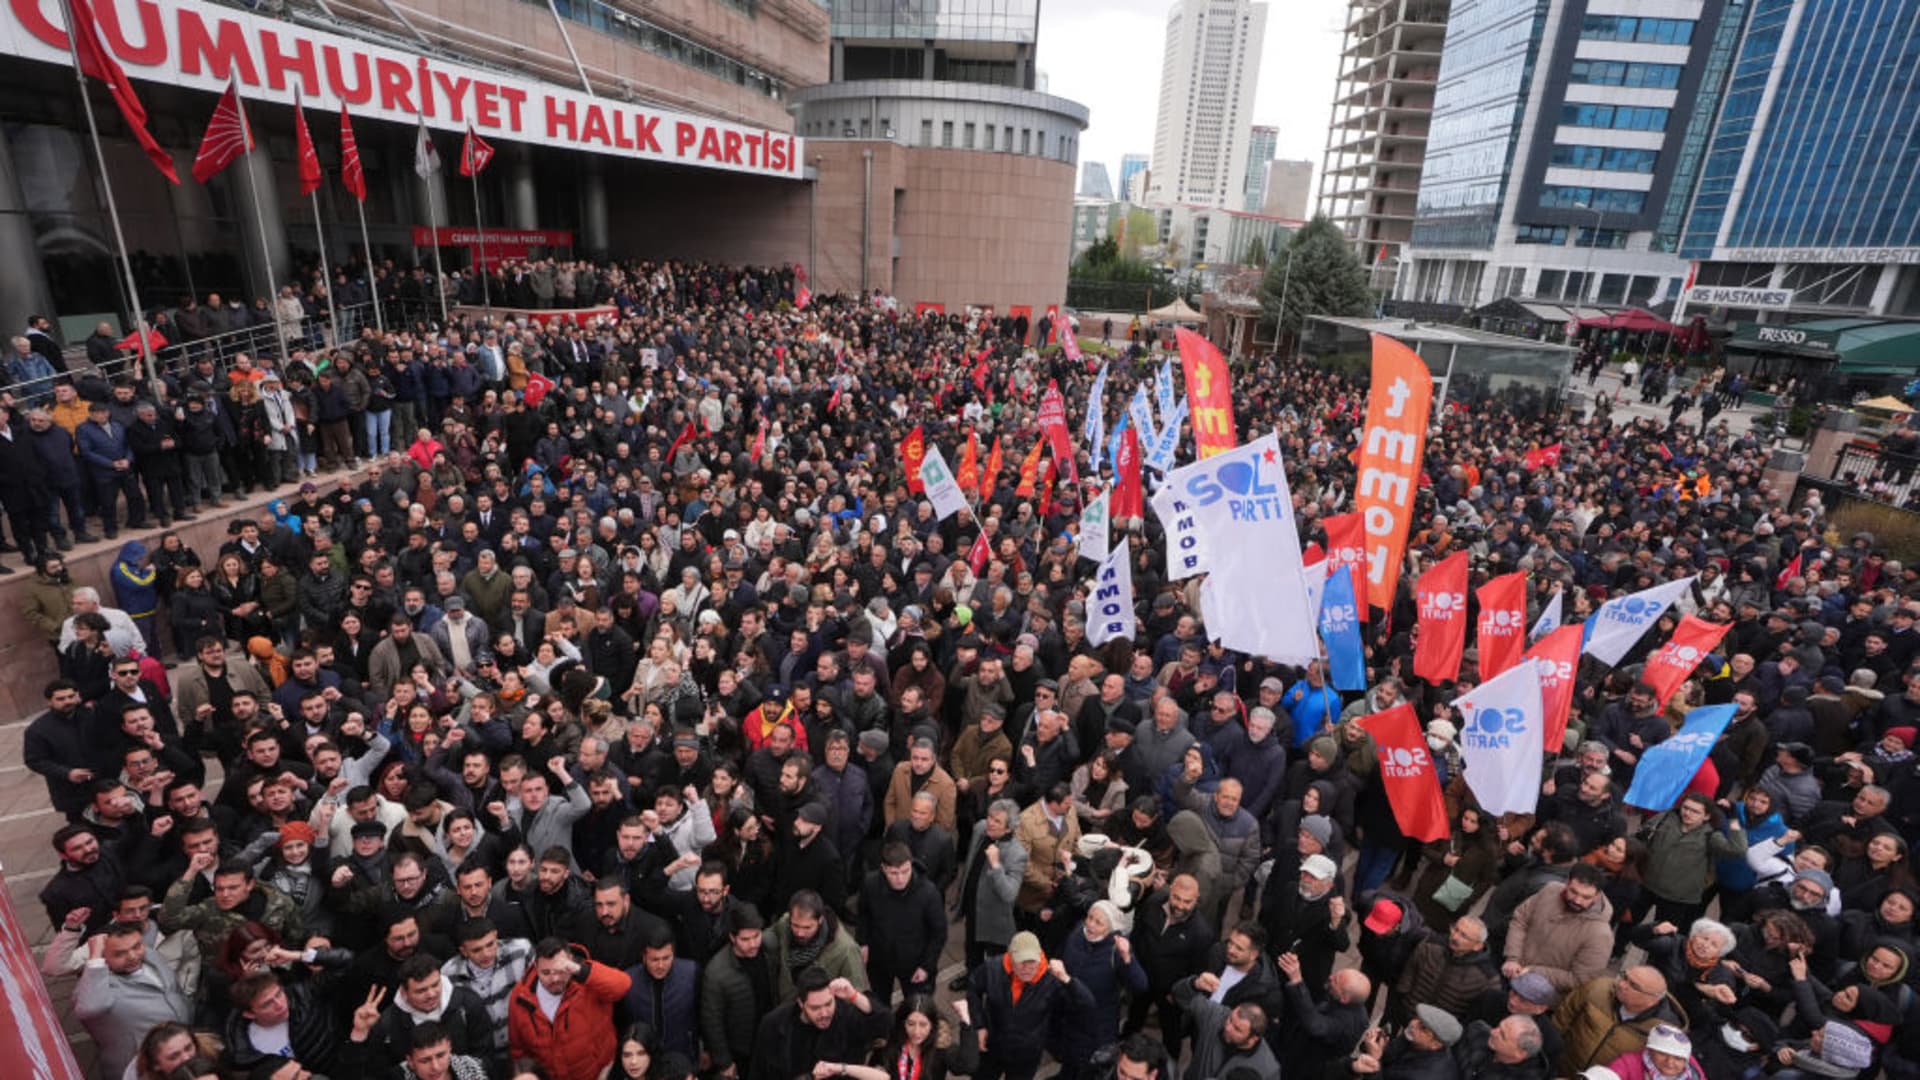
point(1632, 320)
point(1854, 346)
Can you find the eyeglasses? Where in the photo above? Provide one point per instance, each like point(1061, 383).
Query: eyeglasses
point(997, 770)
point(128, 671)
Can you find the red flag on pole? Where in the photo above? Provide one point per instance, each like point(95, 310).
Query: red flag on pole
point(686, 436)
point(310, 174)
point(1671, 663)
point(474, 154)
point(1556, 657)
point(351, 174)
point(227, 137)
point(833, 403)
point(537, 387)
point(969, 474)
point(1406, 768)
point(759, 445)
point(1128, 499)
point(1053, 425)
point(1030, 471)
point(991, 475)
point(1502, 633)
point(980, 370)
point(912, 452)
point(978, 554)
point(1441, 596)
point(802, 296)
point(1047, 478)
point(1788, 572)
point(97, 63)
point(1347, 546)
point(1546, 457)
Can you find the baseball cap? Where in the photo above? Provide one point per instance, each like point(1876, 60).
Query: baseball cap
point(1665, 1039)
point(1319, 866)
point(1024, 948)
point(1384, 917)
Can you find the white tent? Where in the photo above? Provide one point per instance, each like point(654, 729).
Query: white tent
point(1178, 311)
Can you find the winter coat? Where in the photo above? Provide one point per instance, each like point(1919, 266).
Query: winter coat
point(1212, 1056)
point(1169, 953)
point(1259, 767)
point(383, 664)
point(1589, 1021)
point(1477, 1062)
point(459, 1010)
point(905, 929)
point(990, 919)
point(900, 793)
point(310, 1031)
point(840, 957)
point(580, 1040)
point(552, 824)
point(210, 925)
point(1017, 1030)
point(1435, 975)
point(135, 587)
point(727, 1009)
point(1680, 862)
point(849, 801)
point(678, 1001)
point(119, 1010)
point(1043, 845)
point(1097, 966)
point(1158, 750)
point(46, 605)
point(1568, 948)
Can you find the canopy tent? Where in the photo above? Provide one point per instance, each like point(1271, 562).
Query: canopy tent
point(1178, 311)
point(1887, 403)
point(1632, 320)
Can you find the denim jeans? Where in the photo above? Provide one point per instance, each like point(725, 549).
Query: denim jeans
point(379, 432)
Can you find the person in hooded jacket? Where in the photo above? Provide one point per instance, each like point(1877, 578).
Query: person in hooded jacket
point(1100, 956)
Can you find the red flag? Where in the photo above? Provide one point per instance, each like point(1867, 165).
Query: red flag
point(1053, 425)
point(978, 554)
point(980, 370)
point(96, 62)
point(1788, 572)
point(475, 154)
point(310, 174)
point(1029, 471)
point(1406, 768)
point(912, 452)
point(1209, 392)
point(802, 296)
point(1546, 457)
point(1347, 546)
point(1557, 658)
point(227, 137)
point(1392, 447)
point(969, 474)
point(991, 475)
point(1128, 500)
point(537, 387)
point(1671, 663)
point(352, 176)
point(1441, 596)
point(1502, 633)
point(686, 436)
point(1046, 487)
point(759, 445)
point(833, 403)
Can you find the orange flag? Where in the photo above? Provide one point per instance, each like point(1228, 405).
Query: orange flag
point(1391, 448)
point(1209, 394)
point(912, 452)
point(969, 474)
point(992, 475)
point(1030, 471)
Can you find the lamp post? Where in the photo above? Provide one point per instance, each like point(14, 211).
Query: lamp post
point(1586, 278)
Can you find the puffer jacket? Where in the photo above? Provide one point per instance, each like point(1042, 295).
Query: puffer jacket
point(579, 1041)
point(1589, 1020)
point(1568, 948)
point(135, 587)
point(1436, 975)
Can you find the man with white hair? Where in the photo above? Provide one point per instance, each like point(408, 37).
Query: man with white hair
point(122, 634)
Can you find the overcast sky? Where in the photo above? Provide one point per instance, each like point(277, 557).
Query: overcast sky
point(1105, 54)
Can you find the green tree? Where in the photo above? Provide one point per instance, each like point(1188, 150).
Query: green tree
point(1139, 229)
point(1319, 275)
point(1256, 253)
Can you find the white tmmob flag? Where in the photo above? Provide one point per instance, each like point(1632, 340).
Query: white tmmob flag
point(1110, 608)
point(1093, 528)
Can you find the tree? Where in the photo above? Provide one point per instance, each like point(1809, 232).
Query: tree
point(1139, 229)
point(1256, 253)
point(1320, 275)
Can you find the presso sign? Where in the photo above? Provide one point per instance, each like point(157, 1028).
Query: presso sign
point(1732, 296)
point(1780, 335)
point(200, 45)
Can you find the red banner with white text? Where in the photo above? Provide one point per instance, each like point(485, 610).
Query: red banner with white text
point(1501, 635)
point(1671, 663)
point(1441, 597)
point(1406, 768)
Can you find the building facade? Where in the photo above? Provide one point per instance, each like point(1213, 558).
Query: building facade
point(1804, 206)
point(685, 103)
point(1094, 182)
point(1565, 142)
point(959, 174)
point(1208, 75)
point(1131, 166)
point(1289, 189)
point(1218, 239)
point(1260, 145)
point(1377, 135)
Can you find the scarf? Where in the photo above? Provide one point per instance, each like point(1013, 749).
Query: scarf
point(1018, 987)
point(801, 957)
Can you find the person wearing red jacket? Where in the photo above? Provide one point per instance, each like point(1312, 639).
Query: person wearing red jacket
point(561, 1013)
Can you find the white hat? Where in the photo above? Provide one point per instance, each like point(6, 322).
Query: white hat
point(1664, 1039)
point(1599, 1072)
point(1319, 866)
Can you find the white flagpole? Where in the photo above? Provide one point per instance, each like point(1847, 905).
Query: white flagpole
point(320, 237)
point(259, 219)
point(433, 234)
point(373, 284)
point(147, 367)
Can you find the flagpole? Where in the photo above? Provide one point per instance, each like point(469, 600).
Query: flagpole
point(259, 218)
point(480, 223)
point(148, 368)
point(326, 274)
point(373, 284)
point(433, 234)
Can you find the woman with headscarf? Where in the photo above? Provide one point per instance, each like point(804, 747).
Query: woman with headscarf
point(1099, 957)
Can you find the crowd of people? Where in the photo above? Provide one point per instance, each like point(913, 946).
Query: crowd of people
point(648, 725)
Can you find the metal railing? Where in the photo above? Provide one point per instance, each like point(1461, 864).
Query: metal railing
point(1872, 472)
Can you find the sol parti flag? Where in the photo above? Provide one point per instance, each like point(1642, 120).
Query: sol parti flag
point(1440, 597)
point(1502, 732)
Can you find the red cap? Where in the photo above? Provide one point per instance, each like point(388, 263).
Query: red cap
point(1384, 917)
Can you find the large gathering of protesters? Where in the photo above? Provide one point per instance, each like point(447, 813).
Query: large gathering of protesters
point(603, 703)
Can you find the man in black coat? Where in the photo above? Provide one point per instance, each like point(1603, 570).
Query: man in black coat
point(1013, 1031)
point(904, 918)
point(58, 746)
point(156, 455)
point(1317, 1034)
point(1308, 919)
point(829, 1020)
point(806, 859)
point(1172, 940)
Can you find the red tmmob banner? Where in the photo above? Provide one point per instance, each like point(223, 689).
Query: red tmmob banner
point(200, 45)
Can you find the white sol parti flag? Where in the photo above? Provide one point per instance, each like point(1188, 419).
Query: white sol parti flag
point(1502, 732)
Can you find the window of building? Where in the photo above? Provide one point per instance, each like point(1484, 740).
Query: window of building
point(1607, 158)
point(866, 127)
point(1600, 238)
point(1619, 73)
point(1026, 140)
point(1644, 31)
point(1006, 138)
point(1551, 283)
point(926, 133)
point(969, 136)
point(1641, 291)
point(1617, 117)
point(1554, 235)
point(1576, 288)
point(989, 145)
point(1613, 289)
point(1606, 200)
point(946, 133)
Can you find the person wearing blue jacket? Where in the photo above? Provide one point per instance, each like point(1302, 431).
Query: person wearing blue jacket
point(1313, 704)
point(109, 465)
point(1259, 763)
point(1762, 821)
point(60, 465)
point(136, 591)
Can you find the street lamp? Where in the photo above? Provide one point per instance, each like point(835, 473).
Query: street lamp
point(1586, 279)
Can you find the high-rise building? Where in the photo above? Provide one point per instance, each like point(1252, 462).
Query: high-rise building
point(1208, 75)
point(1260, 144)
point(1289, 189)
point(926, 97)
point(1565, 138)
point(1131, 165)
point(1805, 205)
point(1377, 136)
point(1093, 180)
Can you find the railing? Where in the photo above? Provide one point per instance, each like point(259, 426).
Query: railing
point(1873, 472)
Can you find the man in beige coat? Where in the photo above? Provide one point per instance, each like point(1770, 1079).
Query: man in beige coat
point(1048, 829)
point(1564, 931)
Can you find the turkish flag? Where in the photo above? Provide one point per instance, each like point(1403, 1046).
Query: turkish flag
point(1347, 546)
point(912, 452)
point(802, 296)
point(1441, 597)
point(991, 475)
point(686, 436)
point(537, 387)
point(227, 137)
point(1789, 571)
point(1502, 632)
point(1671, 663)
point(310, 175)
point(352, 175)
point(98, 63)
point(1546, 457)
point(1557, 658)
point(475, 154)
point(1128, 499)
point(1406, 768)
point(969, 474)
